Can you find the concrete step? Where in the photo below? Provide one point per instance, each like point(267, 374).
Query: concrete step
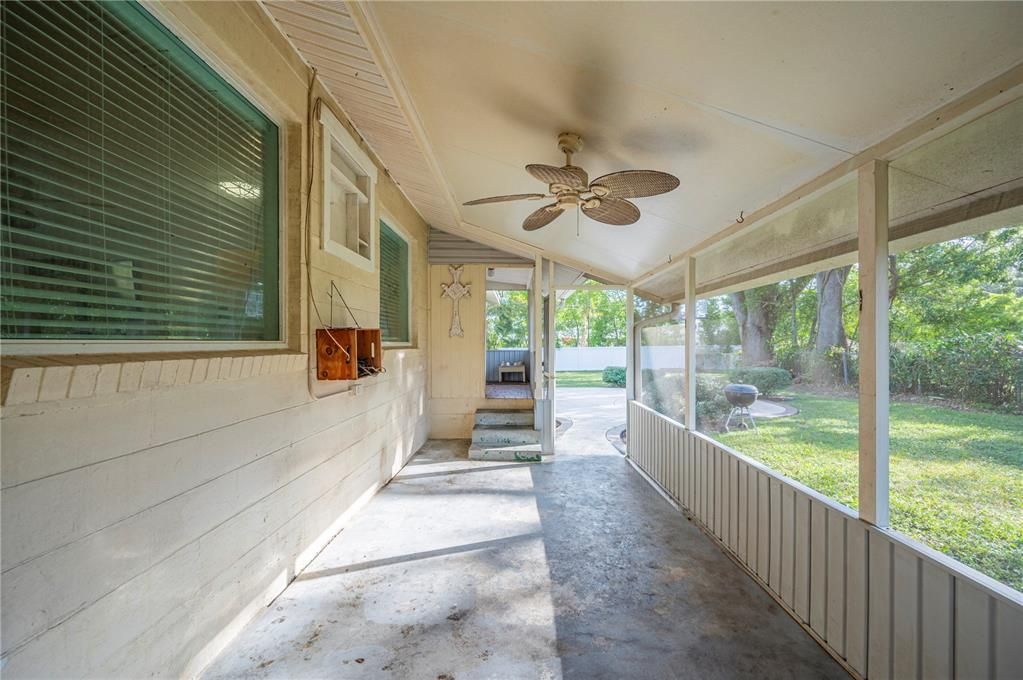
point(521, 453)
point(503, 435)
point(493, 416)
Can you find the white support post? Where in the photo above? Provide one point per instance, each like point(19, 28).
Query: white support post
point(873, 254)
point(630, 347)
point(549, 423)
point(690, 344)
point(536, 340)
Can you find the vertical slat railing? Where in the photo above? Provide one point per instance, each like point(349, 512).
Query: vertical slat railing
point(887, 606)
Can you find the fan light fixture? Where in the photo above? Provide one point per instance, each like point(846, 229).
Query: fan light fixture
point(604, 199)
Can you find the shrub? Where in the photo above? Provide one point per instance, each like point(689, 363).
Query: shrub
point(982, 368)
point(766, 379)
point(711, 404)
point(614, 375)
point(663, 391)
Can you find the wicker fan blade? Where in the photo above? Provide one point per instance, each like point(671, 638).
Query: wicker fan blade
point(571, 175)
point(542, 217)
point(616, 211)
point(502, 199)
point(636, 183)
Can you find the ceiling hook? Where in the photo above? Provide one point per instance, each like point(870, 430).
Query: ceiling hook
point(741, 218)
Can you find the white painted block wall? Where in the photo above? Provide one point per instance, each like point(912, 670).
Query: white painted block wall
point(137, 527)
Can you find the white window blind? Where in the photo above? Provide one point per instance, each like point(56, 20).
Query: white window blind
point(139, 188)
point(394, 286)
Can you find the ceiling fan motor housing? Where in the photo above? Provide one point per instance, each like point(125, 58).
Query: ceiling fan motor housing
point(570, 143)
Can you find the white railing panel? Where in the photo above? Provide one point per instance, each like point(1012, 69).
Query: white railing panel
point(888, 606)
point(879, 606)
point(856, 598)
point(835, 589)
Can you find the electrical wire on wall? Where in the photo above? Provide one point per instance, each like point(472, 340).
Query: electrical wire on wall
point(313, 106)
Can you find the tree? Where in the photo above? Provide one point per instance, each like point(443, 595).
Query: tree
point(508, 321)
point(717, 326)
point(756, 312)
point(592, 318)
point(830, 325)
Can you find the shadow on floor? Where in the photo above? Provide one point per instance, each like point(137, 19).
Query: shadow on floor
point(639, 591)
point(570, 569)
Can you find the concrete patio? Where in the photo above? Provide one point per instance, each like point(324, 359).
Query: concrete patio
point(575, 568)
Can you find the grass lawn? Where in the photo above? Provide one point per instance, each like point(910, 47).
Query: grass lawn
point(956, 476)
point(581, 379)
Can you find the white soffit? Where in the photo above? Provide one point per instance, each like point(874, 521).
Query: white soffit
point(743, 101)
point(328, 38)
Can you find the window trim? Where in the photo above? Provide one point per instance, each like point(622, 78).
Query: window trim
point(331, 130)
point(405, 236)
point(30, 347)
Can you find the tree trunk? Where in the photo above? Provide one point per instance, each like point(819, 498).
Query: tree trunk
point(830, 328)
point(756, 316)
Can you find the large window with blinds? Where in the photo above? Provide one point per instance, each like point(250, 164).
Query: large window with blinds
point(395, 310)
point(139, 188)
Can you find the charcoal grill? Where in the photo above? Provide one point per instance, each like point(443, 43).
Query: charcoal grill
point(741, 397)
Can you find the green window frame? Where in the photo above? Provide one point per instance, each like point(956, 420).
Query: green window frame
point(140, 189)
point(395, 280)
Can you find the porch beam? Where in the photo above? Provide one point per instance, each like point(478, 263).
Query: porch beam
point(690, 344)
point(873, 417)
point(982, 99)
point(949, 220)
point(595, 286)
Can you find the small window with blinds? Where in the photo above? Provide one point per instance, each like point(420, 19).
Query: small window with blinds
point(395, 275)
point(139, 188)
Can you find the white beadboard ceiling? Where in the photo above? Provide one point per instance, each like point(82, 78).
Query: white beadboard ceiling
point(744, 102)
point(326, 35)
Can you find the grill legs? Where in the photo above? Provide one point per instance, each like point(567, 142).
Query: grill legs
point(742, 412)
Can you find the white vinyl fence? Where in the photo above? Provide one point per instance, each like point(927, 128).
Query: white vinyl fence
point(650, 356)
point(888, 606)
point(599, 358)
point(588, 358)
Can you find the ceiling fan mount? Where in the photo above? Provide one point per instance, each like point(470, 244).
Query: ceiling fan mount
point(570, 143)
point(604, 199)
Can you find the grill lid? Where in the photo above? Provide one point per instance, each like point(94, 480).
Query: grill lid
point(741, 395)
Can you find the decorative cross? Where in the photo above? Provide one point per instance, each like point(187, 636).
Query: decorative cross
point(455, 290)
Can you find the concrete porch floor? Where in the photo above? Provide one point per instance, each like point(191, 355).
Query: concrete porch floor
point(574, 568)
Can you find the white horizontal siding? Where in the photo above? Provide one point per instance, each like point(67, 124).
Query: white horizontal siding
point(176, 509)
point(889, 607)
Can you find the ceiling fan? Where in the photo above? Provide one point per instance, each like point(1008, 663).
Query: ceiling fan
point(604, 199)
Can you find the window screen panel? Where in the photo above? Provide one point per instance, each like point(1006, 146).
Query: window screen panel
point(139, 188)
point(394, 286)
